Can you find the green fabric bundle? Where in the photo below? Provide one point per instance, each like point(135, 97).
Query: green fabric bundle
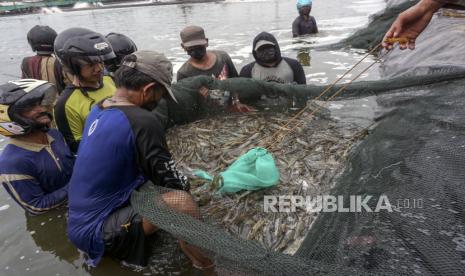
point(253, 171)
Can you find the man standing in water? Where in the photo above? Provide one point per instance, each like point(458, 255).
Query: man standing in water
point(412, 22)
point(123, 147)
point(305, 23)
point(202, 62)
point(269, 65)
point(82, 52)
point(43, 66)
point(36, 165)
point(217, 64)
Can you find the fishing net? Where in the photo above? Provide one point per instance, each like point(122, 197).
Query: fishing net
point(192, 107)
point(413, 157)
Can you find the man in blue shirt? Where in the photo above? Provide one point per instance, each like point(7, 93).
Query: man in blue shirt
point(123, 147)
point(36, 165)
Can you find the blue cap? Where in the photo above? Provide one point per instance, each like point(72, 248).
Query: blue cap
point(302, 3)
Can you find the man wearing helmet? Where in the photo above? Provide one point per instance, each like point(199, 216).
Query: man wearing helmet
point(36, 165)
point(305, 23)
point(125, 145)
point(82, 53)
point(122, 46)
point(43, 66)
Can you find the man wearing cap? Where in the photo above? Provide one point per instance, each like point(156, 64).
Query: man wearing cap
point(269, 65)
point(123, 147)
point(202, 62)
point(304, 24)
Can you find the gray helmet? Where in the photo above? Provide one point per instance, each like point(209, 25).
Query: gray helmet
point(122, 46)
point(76, 45)
point(41, 39)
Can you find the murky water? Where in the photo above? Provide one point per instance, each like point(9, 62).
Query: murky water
point(38, 245)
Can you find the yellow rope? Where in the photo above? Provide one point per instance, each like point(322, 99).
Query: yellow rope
point(450, 13)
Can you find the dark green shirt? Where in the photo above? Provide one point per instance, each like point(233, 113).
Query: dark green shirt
point(222, 69)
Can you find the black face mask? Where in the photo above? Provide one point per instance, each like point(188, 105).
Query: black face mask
point(112, 65)
point(151, 105)
point(267, 55)
point(197, 52)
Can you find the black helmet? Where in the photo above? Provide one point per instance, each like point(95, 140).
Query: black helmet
point(15, 97)
point(122, 46)
point(41, 39)
point(77, 45)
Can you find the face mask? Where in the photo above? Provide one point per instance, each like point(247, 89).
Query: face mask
point(151, 105)
point(112, 65)
point(266, 55)
point(197, 52)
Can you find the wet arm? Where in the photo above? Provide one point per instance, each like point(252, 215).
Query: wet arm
point(70, 124)
point(246, 71)
point(315, 29)
point(28, 193)
point(299, 73)
point(232, 69)
point(154, 158)
point(23, 69)
point(295, 28)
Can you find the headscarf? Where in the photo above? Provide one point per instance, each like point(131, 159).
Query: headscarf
point(302, 3)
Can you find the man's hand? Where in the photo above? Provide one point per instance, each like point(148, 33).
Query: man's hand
point(240, 107)
point(410, 24)
point(203, 91)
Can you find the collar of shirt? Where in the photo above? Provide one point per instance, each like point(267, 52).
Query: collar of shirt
point(31, 146)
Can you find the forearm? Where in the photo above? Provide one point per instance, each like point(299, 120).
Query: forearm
point(27, 192)
point(168, 176)
point(430, 6)
point(444, 2)
point(295, 29)
point(51, 200)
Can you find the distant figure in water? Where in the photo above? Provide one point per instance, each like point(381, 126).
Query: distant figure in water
point(305, 23)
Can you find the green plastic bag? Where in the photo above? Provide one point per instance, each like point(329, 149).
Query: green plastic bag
point(253, 171)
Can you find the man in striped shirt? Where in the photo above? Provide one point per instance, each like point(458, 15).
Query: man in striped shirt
point(36, 164)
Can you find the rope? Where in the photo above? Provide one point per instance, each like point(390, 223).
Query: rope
point(270, 142)
point(454, 14)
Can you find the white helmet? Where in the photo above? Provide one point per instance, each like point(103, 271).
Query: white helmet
point(17, 95)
